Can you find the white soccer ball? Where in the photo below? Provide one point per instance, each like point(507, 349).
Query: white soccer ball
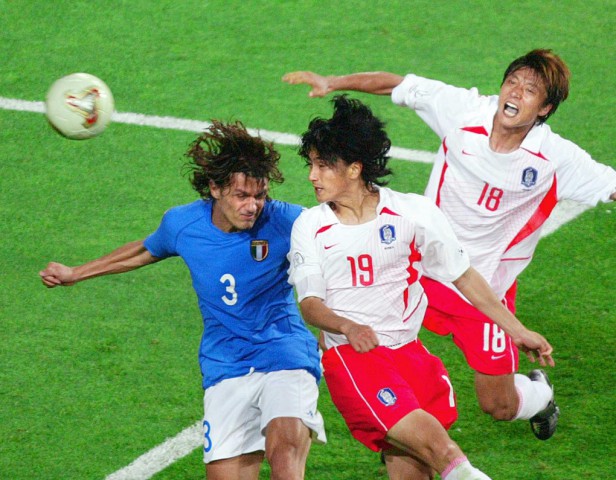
point(79, 106)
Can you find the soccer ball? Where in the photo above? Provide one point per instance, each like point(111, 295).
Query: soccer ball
point(79, 106)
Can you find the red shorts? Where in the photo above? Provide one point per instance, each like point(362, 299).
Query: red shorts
point(487, 348)
point(373, 391)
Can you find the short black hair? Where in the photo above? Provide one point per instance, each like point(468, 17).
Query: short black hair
point(353, 134)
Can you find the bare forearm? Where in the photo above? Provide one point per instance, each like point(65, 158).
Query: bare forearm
point(377, 83)
point(474, 287)
point(128, 257)
point(318, 315)
point(361, 337)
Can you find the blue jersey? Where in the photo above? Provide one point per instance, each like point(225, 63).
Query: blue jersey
point(250, 318)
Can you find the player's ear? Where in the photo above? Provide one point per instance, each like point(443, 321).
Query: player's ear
point(545, 110)
point(355, 169)
point(214, 190)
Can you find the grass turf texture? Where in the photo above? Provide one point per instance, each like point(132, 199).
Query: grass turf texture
point(95, 375)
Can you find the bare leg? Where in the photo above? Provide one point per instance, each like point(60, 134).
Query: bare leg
point(242, 467)
point(401, 466)
point(497, 395)
point(423, 437)
point(287, 443)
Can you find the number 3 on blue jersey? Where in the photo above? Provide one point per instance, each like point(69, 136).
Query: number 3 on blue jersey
point(232, 298)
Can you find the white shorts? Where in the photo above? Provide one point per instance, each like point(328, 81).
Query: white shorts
point(237, 411)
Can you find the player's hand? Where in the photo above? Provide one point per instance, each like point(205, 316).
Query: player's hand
point(319, 83)
point(56, 275)
point(536, 348)
point(361, 337)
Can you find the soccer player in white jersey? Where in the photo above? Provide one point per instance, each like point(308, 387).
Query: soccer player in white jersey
point(498, 174)
point(259, 362)
point(356, 260)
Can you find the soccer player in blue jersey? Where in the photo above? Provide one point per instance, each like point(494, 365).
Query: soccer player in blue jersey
point(260, 363)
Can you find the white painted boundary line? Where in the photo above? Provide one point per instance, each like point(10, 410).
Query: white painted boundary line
point(174, 123)
point(189, 439)
point(21, 105)
point(564, 212)
point(160, 457)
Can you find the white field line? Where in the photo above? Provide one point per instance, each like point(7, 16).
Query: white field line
point(198, 126)
point(565, 211)
point(189, 439)
point(160, 457)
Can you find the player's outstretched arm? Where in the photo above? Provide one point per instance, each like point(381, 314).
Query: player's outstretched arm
point(474, 287)
point(124, 259)
point(361, 337)
point(377, 83)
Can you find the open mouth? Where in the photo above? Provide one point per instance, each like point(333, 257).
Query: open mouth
point(510, 109)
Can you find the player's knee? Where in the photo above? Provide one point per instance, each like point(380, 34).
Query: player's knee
point(438, 452)
point(287, 461)
point(285, 466)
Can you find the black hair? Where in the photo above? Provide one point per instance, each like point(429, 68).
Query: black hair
point(353, 134)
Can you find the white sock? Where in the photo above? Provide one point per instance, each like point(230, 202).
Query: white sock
point(461, 469)
point(534, 396)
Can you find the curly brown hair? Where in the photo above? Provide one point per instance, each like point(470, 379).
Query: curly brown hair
point(224, 149)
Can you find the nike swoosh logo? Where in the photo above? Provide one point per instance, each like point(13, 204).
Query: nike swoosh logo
point(327, 247)
point(464, 152)
point(496, 357)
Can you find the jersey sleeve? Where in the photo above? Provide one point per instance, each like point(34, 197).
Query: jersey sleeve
point(442, 256)
point(441, 106)
point(286, 213)
point(305, 272)
point(579, 177)
point(162, 242)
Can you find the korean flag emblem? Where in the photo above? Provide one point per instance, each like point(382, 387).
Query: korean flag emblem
point(387, 396)
point(529, 177)
point(259, 249)
point(387, 234)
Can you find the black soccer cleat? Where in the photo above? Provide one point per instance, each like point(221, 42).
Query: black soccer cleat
point(543, 424)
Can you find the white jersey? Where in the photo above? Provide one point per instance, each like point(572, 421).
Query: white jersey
point(369, 273)
point(497, 203)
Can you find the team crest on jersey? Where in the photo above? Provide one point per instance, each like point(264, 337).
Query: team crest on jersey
point(259, 249)
point(388, 234)
point(387, 396)
point(529, 177)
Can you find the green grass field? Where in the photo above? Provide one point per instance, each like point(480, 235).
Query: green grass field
point(92, 377)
